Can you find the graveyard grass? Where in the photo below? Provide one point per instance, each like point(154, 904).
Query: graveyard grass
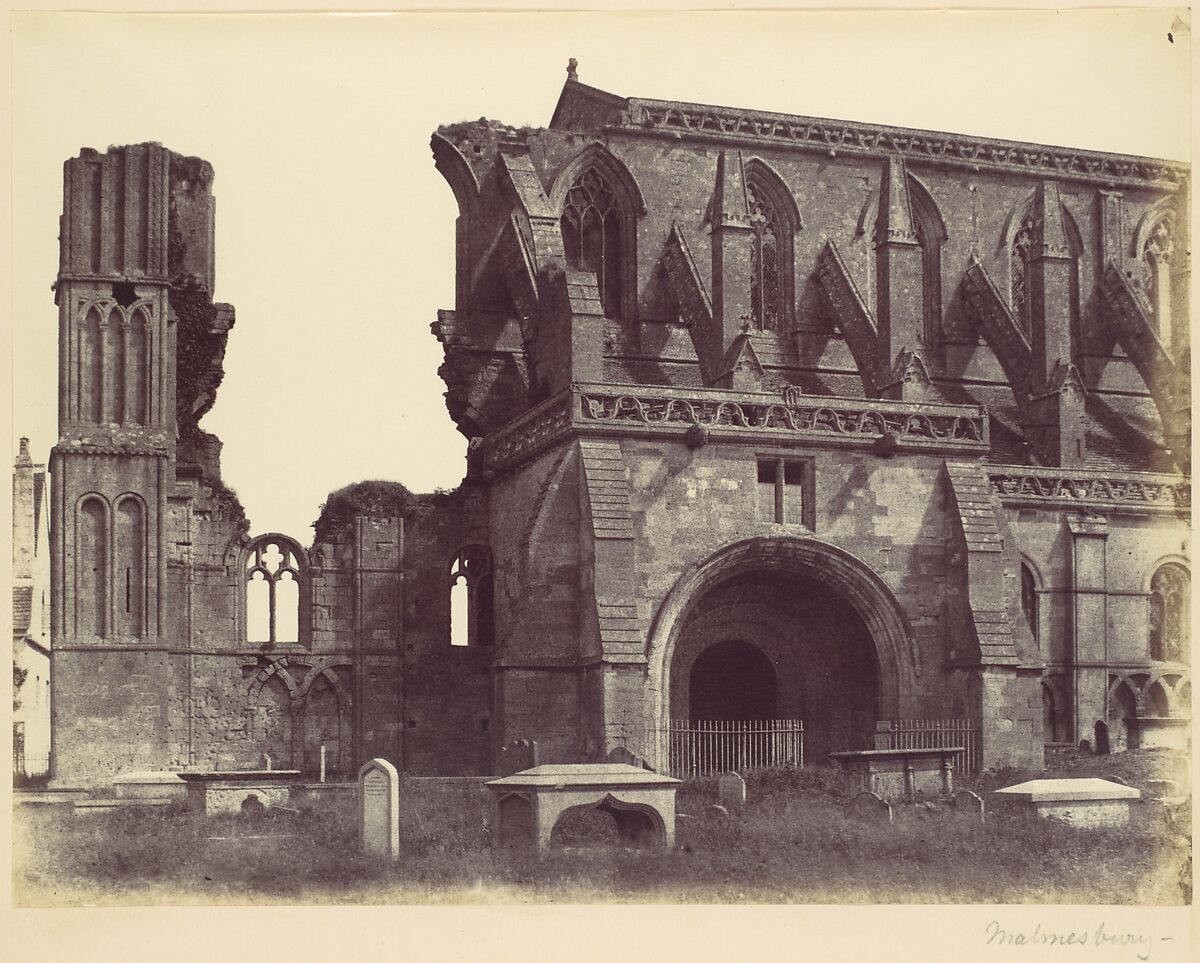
point(794, 841)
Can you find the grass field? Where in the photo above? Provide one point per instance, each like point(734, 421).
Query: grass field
point(793, 842)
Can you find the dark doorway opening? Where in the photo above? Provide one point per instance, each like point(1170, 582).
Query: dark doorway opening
point(733, 680)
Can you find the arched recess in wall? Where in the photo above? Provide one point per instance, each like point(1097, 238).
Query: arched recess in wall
point(115, 329)
point(1169, 611)
point(457, 171)
point(599, 203)
point(275, 600)
point(129, 568)
point(1017, 244)
point(775, 221)
point(91, 364)
point(1031, 586)
point(931, 235)
point(138, 366)
point(1154, 248)
point(91, 576)
point(839, 570)
point(471, 620)
point(1055, 719)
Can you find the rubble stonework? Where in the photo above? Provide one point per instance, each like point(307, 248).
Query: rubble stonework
point(770, 417)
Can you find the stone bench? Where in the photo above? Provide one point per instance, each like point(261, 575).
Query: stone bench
point(528, 804)
point(1087, 803)
point(898, 773)
point(218, 793)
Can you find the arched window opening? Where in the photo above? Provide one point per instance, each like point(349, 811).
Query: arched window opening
point(114, 368)
point(1029, 600)
point(767, 268)
point(272, 585)
point(591, 228)
point(1156, 279)
point(471, 597)
point(129, 583)
point(91, 569)
point(1170, 612)
point(138, 369)
point(90, 366)
point(1019, 255)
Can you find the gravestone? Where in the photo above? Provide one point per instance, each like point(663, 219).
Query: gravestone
point(621, 755)
point(866, 805)
point(1101, 747)
point(379, 809)
point(517, 756)
point(731, 791)
point(967, 803)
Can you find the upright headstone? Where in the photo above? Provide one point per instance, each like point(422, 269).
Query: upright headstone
point(517, 756)
point(379, 809)
point(868, 806)
point(622, 755)
point(967, 803)
point(731, 791)
point(266, 761)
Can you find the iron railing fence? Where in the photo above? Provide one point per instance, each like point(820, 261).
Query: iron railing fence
point(933, 734)
point(29, 766)
point(706, 747)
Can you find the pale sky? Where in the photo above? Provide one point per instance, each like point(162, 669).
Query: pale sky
point(335, 234)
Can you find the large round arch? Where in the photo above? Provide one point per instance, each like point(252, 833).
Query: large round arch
point(811, 559)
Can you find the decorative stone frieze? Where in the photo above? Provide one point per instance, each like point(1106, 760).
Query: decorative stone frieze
point(1128, 492)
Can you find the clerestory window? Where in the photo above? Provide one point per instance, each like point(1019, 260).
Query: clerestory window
point(592, 235)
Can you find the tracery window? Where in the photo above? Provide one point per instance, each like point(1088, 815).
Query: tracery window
point(1020, 255)
point(1156, 280)
point(272, 583)
point(591, 228)
point(471, 597)
point(1170, 612)
point(767, 268)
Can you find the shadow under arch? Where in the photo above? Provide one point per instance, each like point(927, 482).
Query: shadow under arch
point(810, 558)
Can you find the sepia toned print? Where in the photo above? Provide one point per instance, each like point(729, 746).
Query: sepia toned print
point(823, 537)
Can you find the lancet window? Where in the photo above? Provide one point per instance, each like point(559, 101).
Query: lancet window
point(471, 597)
point(1170, 611)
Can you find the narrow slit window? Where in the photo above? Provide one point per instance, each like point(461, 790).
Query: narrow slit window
point(471, 597)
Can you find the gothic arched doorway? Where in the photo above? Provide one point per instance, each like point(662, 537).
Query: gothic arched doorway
point(837, 642)
point(732, 679)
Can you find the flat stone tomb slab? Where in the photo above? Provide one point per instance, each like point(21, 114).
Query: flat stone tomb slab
point(898, 773)
point(218, 793)
point(1086, 803)
point(158, 785)
point(530, 803)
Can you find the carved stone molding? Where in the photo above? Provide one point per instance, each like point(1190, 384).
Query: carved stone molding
point(976, 153)
point(730, 415)
point(1129, 492)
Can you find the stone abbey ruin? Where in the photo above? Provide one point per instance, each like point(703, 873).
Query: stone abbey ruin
point(770, 418)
